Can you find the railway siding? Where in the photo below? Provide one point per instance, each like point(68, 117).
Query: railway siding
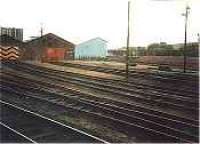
point(73, 92)
point(113, 113)
point(80, 71)
point(48, 130)
point(134, 113)
point(63, 79)
point(139, 78)
point(125, 126)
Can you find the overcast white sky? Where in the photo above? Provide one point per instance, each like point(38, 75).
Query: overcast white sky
point(80, 20)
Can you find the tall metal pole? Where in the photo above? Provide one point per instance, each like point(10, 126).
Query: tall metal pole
point(185, 42)
point(41, 43)
point(127, 48)
point(198, 35)
point(41, 30)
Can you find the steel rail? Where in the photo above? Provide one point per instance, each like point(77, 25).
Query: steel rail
point(18, 133)
point(54, 121)
point(155, 128)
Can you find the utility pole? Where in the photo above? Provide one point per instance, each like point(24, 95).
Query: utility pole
point(198, 35)
point(41, 42)
point(185, 42)
point(127, 48)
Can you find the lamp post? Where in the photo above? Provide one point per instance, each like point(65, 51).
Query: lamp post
point(185, 41)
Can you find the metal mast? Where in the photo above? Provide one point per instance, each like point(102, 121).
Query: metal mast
point(127, 48)
point(185, 42)
point(41, 30)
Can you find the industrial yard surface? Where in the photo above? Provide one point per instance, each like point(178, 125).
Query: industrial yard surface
point(78, 71)
point(112, 64)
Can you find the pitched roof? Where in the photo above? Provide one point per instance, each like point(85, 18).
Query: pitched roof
point(94, 39)
point(50, 36)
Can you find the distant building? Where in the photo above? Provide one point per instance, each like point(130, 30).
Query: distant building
point(181, 45)
point(16, 33)
point(6, 40)
point(94, 48)
point(117, 52)
point(122, 51)
point(49, 47)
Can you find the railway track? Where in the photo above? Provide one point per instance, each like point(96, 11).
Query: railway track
point(9, 135)
point(61, 80)
point(150, 124)
point(117, 114)
point(127, 122)
point(156, 79)
point(37, 128)
point(141, 83)
point(48, 85)
point(133, 84)
point(182, 78)
point(186, 103)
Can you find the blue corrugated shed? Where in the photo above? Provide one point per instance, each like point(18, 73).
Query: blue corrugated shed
point(96, 47)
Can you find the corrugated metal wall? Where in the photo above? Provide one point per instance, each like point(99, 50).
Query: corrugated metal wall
point(92, 48)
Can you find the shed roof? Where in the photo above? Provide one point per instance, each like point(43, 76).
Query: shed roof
point(50, 36)
point(93, 40)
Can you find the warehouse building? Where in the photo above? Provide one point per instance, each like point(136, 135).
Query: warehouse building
point(94, 48)
point(49, 47)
